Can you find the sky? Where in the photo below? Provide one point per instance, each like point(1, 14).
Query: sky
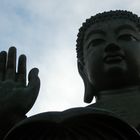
point(46, 32)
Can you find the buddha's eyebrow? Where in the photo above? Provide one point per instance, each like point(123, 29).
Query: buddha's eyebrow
point(124, 27)
point(94, 32)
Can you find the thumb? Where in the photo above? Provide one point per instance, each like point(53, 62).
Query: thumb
point(33, 77)
point(34, 81)
point(32, 87)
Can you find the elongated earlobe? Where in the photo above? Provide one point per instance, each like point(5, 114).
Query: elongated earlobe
point(89, 89)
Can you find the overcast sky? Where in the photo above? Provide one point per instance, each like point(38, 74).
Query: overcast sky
point(46, 31)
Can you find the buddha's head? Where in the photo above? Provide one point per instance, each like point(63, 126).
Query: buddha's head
point(108, 52)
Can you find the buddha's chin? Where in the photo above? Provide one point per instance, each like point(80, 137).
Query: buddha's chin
point(116, 69)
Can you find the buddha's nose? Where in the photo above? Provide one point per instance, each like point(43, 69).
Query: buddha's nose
point(112, 47)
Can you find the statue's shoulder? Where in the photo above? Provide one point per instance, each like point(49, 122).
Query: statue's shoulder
point(77, 123)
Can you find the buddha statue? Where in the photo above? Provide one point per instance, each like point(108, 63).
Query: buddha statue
point(108, 62)
point(108, 48)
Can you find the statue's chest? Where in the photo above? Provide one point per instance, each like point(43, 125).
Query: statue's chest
point(128, 108)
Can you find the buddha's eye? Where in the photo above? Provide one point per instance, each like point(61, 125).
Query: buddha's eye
point(96, 42)
point(127, 37)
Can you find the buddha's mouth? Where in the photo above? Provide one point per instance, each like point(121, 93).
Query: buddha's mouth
point(113, 58)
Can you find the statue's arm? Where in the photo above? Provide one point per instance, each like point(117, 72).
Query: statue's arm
point(16, 98)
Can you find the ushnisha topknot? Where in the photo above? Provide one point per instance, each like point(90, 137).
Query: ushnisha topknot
point(117, 14)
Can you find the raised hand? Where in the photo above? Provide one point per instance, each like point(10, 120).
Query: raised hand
point(15, 96)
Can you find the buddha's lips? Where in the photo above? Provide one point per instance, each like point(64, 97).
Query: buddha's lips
point(113, 58)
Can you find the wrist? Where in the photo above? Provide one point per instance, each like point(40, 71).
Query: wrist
point(7, 121)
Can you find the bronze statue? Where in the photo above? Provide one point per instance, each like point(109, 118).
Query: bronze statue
point(16, 98)
point(108, 48)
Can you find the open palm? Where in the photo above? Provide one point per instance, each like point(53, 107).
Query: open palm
point(15, 96)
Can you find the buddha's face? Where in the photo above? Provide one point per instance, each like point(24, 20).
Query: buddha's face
point(112, 54)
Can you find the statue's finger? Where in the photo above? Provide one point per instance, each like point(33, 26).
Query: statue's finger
point(34, 81)
point(11, 64)
point(3, 56)
point(32, 89)
point(21, 73)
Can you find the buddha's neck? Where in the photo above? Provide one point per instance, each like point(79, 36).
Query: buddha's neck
point(123, 102)
point(123, 92)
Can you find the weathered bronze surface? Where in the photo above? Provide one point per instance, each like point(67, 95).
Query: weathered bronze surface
point(108, 48)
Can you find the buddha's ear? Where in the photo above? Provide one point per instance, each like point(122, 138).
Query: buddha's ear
point(89, 90)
